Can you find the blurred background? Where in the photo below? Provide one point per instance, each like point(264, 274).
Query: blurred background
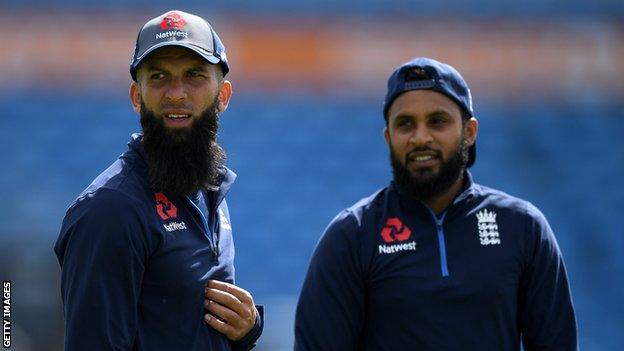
point(303, 130)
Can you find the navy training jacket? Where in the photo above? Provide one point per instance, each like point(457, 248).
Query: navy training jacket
point(388, 274)
point(135, 263)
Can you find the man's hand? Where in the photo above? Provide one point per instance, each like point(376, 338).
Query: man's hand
point(230, 309)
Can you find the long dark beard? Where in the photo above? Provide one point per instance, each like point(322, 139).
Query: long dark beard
point(180, 162)
point(430, 187)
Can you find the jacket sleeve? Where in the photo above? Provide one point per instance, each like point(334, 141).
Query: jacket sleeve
point(248, 342)
point(547, 318)
point(330, 311)
point(102, 253)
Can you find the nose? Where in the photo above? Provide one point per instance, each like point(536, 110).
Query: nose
point(421, 136)
point(176, 91)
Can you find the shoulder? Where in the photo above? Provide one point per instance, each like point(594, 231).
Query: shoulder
point(109, 199)
point(511, 211)
point(353, 217)
point(343, 241)
point(105, 206)
point(105, 220)
point(120, 193)
point(122, 184)
point(497, 199)
point(348, 229)
point(520, 224)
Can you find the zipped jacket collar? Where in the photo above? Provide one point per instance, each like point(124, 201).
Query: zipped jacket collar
point(467, 191)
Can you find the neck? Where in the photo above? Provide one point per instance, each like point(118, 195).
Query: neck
point(439, 203)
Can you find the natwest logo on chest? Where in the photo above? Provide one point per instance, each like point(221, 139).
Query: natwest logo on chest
point(165, 208)
point(397, 233)
point(395, 230)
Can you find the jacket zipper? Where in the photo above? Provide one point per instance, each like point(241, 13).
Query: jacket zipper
point(441, 242)
point(207, 232)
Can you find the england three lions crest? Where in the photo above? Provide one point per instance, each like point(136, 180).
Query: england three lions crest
point(488, 228)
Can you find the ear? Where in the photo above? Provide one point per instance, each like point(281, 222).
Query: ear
point(225, 93)
point(135, 97)
point(386, 135)
point(470, 129)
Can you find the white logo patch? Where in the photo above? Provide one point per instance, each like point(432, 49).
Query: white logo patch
point(389, 249)
point(225, 224)
point(488, 228)
point(172, 33)
point(173, 226)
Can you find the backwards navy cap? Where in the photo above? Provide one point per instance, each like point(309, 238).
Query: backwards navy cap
point(180, 29)
point(423, 73)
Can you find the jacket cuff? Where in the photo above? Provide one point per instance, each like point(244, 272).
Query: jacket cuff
point(248, 341)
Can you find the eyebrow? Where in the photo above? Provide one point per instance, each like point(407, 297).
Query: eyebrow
point(150, 66)
point(199, 67)
point(402, 116)
point(435, 113)
point(439, 113)
point(155, 67)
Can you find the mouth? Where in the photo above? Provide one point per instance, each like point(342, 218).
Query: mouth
point(177, 116)
point(177, 119)
point(422, 158)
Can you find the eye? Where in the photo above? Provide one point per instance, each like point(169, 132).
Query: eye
point(156, 76)
point(437, 121)
point(195, 74)
point(404, 123)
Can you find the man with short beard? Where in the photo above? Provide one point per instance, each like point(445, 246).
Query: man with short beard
point(146, 250)
point(435, 261)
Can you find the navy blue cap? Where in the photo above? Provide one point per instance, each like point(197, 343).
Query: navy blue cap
point(180, 29)
point(423, 73)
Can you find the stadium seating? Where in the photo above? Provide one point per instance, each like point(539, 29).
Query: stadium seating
point(301, 160)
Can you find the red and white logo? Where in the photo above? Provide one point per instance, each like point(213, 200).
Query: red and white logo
point(395, 234)
point(395, 231)
point(172, 20)
point(165, 208)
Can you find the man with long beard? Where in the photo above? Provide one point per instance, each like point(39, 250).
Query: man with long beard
point(435, 261)
point(146, 250)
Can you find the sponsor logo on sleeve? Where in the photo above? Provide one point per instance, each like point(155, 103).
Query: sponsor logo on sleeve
point(396, 235)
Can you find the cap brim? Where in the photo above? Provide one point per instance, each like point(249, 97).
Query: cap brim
point(201, 52)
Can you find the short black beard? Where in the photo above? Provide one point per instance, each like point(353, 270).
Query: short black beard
point(425, 190)
point(181, 162)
